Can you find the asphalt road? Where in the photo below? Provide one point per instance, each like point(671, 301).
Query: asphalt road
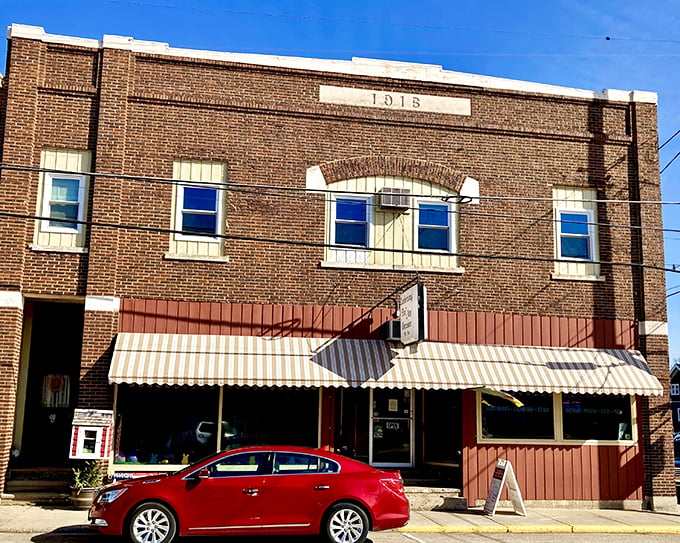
point(78, 535)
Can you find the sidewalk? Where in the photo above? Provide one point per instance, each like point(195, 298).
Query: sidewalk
point(26, 518)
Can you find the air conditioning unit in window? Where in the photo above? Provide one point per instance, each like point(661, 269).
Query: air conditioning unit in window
point(392, 330)
point(394, 198)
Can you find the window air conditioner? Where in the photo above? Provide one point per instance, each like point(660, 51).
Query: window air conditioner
point(393, 198)
point(392, 330)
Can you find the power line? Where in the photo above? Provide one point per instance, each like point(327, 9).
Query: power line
point(671, 162)
point(384, 22)
point(263, 190)
point(321, 245)
point(668, 140)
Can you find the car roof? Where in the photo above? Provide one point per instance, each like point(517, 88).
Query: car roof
point(299, 449)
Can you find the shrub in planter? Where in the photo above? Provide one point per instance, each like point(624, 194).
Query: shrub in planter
point(86, 481)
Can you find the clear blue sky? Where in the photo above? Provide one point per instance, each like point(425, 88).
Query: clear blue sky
point(560, 42)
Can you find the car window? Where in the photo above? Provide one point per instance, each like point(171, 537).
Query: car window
point(289, 463)
point(239, 465)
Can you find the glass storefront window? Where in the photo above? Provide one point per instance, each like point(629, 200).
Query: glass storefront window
point(271, 416)
point(503, 420)
point(585, 416)
point(165, 425)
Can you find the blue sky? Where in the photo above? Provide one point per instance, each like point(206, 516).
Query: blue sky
point(560, 42)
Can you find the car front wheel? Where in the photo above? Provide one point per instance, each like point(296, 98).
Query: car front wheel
point(346, 523)
point(152, 523)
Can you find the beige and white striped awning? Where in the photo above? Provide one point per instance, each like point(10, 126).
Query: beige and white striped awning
point(179, 359)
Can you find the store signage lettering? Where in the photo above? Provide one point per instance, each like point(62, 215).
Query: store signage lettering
point(393, 100)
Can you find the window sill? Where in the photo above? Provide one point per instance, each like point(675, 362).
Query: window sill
point(558, 442)
point(48, 249)
point(196, 258)
point(389, 267)
point(591, 278)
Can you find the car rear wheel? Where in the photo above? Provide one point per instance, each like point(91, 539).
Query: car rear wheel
point(346, 523)
point(152, 523)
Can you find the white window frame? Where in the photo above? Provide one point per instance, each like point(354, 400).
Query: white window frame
point(591, 233)
point(47, 203)
point(334, 220)
point(675, 389)
point(558, 427)
point(219, 213)
point(452, 226)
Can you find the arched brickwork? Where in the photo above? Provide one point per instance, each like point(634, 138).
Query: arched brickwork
point(370, 165)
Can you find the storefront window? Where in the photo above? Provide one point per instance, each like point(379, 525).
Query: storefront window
point(585, 416)
point(501, 419)
point(271, 416)
point(165, 425)
point(178, 425)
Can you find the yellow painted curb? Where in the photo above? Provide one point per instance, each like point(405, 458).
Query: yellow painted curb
point(537, 529)
point(454, 529)
point(658, 529)
point(602, 529)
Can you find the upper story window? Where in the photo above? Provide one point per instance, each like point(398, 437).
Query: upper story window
point(675, 389)
point(63, 202)
point(576, 233)
point(351, 221)
point(391, 223)
point(434, 226)
point(198, 210)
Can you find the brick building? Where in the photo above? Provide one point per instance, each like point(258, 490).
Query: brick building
point(210, 245)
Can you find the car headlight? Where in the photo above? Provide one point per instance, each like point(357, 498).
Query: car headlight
point(110, 495)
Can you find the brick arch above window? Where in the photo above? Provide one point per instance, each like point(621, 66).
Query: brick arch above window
point(318, 177)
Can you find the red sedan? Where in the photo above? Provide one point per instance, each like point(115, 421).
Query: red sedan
point(256, 490)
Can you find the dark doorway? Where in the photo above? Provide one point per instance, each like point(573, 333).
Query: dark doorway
point(56, 331)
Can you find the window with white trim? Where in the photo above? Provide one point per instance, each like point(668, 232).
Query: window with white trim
point(675, 389)
point(63, 203)
point(434, 226)
point(562, 417)
point(351, 221)
point(199, 210)
point(576, 234)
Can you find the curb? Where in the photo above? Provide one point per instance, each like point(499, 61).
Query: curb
point(547, 529)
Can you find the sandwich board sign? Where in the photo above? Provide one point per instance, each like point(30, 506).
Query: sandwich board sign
point(504, 474)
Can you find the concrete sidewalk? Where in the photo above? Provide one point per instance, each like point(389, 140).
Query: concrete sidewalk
point(27, 518)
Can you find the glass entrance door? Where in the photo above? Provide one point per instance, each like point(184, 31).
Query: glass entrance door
point(391, 443)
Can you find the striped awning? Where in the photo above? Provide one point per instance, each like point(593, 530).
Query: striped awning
point(182, 359)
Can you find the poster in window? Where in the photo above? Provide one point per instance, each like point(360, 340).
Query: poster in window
point(56, 390)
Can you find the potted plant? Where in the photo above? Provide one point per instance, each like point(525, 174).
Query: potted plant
point(86, 481)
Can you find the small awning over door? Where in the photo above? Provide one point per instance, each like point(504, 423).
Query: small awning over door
point(183, 359)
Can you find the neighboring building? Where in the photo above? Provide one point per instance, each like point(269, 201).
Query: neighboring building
point(201, 240)
point(675, 397)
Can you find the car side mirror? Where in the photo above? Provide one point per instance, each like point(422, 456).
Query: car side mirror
point(203, 474)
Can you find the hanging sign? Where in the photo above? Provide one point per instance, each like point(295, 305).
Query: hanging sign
point(413, 309)
point(504, 474)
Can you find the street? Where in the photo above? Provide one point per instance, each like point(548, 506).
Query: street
point(81, 535)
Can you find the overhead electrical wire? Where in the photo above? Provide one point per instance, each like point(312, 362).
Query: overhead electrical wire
point(263, 190)
point(321, 245)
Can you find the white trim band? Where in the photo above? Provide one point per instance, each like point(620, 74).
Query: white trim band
point(357, 66)
point(653, 328)
point(107, 304)
point(12, 299)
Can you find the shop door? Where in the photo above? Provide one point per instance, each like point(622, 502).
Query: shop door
point(52, 383)
point(391, 428)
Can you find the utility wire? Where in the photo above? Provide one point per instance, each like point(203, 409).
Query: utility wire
point(283, 188)
point(320, 245)
point(671, 162)
point(668, 140)
point(265, 190)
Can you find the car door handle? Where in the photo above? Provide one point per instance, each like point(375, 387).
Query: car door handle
point(251, 491)
point(321, 487)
